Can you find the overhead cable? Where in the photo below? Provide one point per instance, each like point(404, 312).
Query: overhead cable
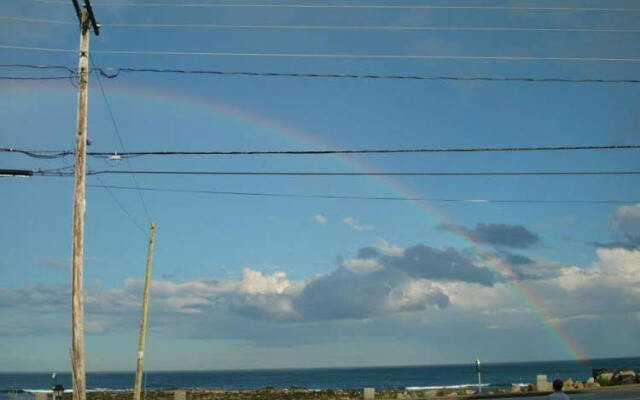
point(374, 28)
point(379, 198)
point(40, 66)
point(114, 72)
point(345, 174)
point(351, 6)
point(32, 78)
point(330, 27)
point(327, 55)
point(16, 173)
point(51, 154)
point(37, 20)
point(44, 154)
point(119, 203)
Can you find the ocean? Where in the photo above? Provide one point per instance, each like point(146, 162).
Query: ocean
point(494, 375)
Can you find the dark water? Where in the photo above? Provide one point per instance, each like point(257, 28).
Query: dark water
point(495, 375)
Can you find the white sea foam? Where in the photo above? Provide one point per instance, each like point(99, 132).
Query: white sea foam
point(34, 391)
point(462, 386)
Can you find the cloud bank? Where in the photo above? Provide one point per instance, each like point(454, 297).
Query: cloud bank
point(516, 236)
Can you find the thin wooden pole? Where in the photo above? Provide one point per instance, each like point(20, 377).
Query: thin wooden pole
point(77, 251)
point(143, 319)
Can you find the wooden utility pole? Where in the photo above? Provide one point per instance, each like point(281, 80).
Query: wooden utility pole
point(143, 319)
point(86, 18)
point(77, 254)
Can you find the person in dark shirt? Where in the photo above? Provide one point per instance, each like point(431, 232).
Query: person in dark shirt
point(558, 394)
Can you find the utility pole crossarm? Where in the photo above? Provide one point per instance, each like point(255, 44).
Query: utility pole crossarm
point(92, 17)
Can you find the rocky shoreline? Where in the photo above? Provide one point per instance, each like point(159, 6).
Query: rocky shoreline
point(602, 379)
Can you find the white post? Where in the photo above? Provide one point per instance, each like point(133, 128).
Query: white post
point(479, 376)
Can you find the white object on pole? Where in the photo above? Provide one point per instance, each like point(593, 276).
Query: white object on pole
point(479, 376)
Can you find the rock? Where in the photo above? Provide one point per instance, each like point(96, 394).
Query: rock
point(369, 393)
point(600, 371)
point(542, 384)
point(591, 380)
point(604, 378)
point(623, 377)
point(568, 383)
point(578, 385)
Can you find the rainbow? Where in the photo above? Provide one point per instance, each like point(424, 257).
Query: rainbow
point(552, 325)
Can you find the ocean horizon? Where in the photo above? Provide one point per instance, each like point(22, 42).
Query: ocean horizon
point(494, 375)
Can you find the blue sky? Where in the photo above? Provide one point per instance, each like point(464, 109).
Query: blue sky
point(282, 282)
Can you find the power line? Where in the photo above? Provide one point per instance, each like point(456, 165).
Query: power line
point(38, 20)
point(71, 71)
point(114, 72)
point(122, 207)
point(327, 55)
point(51, 154)
point(374, 28)
point(355, 6)
point(380, 198)
point(117, 132)
point(40, 66)
point(32, 78)
point(334, 174)
point(112, 195)
point(28, 48)
point(16, 172)
point(330, 27)
point(43, 154)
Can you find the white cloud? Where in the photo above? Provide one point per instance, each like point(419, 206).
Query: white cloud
point(573, 278)
point(254, 282)
point(355, 225)
point(616, 268)
point(621, 266)
point(469, 296)
point(578, 317)
point(415, 295)
point(320, 219)
point(362, 288)
point(362, 264)
point(389, 249)
point(186, 304)
point(94, 327)
point(627, 218)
